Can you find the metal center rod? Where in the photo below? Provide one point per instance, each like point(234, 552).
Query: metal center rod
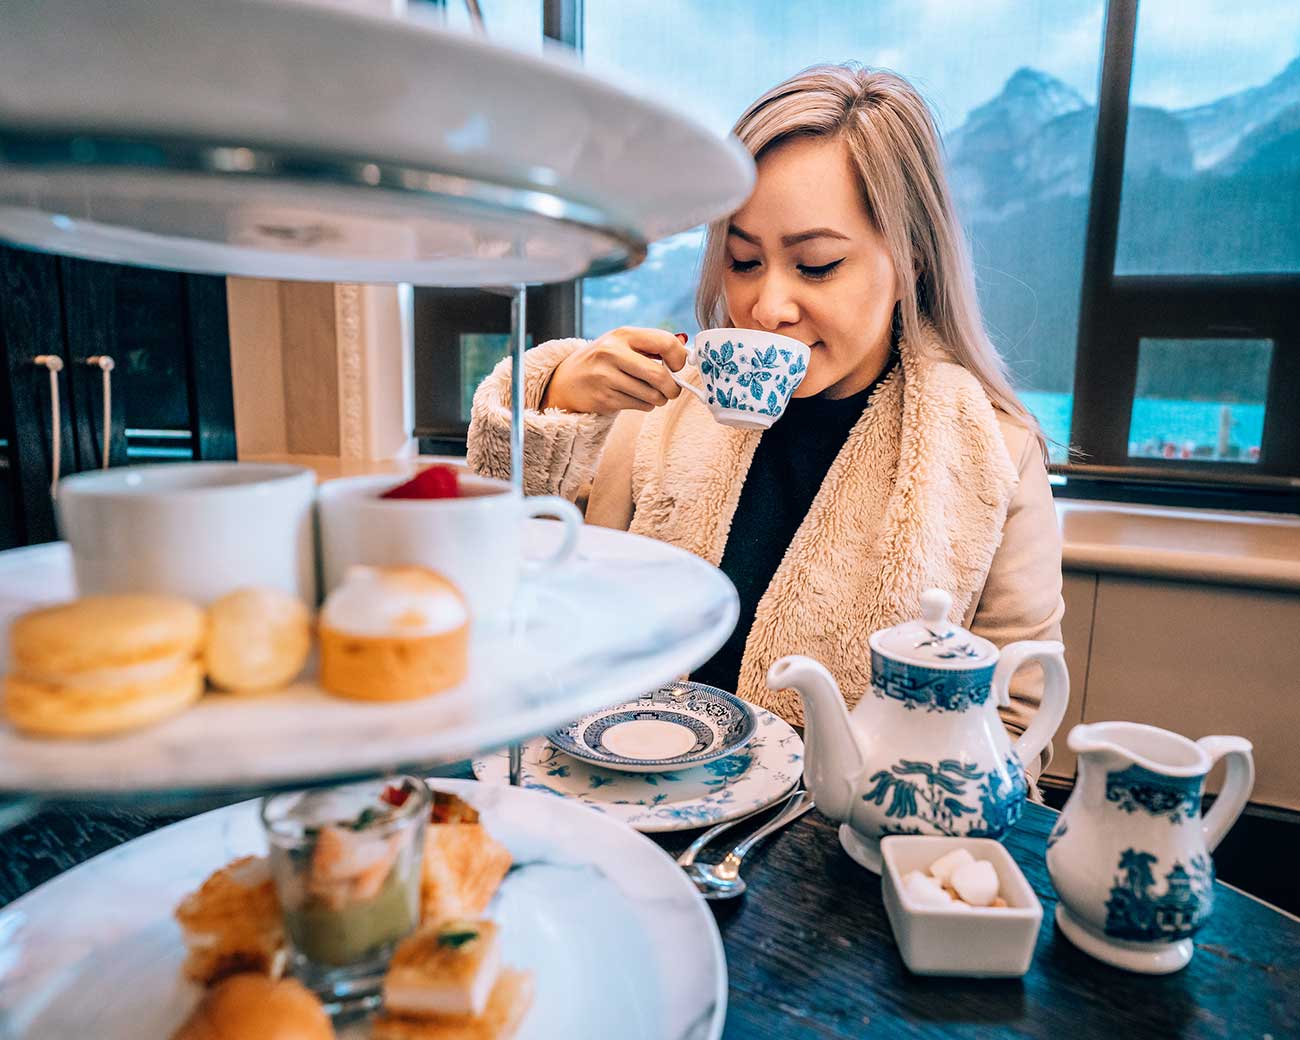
point(518, 340)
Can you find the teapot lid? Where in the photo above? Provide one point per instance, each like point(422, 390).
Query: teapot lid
point(933, 641)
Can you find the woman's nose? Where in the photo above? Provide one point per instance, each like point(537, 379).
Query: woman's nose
point(775, 305)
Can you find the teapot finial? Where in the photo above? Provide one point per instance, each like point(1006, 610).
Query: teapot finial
point(935, 604)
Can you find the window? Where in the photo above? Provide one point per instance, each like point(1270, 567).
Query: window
point(1129, 180)
point(1212, 158)
point(1189, 346)
point(1200, 400)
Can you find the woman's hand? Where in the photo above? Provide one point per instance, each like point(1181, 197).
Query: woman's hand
point(616, 372)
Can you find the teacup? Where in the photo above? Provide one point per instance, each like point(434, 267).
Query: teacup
point(475, 540)
point(749, 376)
point(192, 529)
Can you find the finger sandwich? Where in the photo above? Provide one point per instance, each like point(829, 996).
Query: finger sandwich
point(446, 982)
point(232, 923)
point(463, 864)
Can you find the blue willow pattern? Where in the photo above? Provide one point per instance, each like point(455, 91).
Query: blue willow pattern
point(1173, 797)
point(935, 689)
point(1137, 913)
point(930, 799)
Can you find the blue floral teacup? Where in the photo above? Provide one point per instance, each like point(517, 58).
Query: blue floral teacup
point(748, 376)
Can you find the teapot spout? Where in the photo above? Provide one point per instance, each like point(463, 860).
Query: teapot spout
point(833, 762)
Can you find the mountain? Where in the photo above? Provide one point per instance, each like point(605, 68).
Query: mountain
point(1027, 101)
point(989, 160)
point(1216, 129)
point(1272, 146)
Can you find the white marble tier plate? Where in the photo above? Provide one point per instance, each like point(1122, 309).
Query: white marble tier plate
point(680, 725)
point(767, 768)
point(628, 614)
point(608, 924)
point(296, 140)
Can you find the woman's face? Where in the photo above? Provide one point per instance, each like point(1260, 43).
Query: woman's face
point(803, 259)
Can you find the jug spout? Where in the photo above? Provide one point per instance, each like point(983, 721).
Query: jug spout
point(1093, 743)
point(833, 762)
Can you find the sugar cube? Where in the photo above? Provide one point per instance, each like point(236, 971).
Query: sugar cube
point(941, 869)
point(976, 882)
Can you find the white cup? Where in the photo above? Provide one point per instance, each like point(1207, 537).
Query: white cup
point(748, 375)
point(192, 529)
point(475, 540)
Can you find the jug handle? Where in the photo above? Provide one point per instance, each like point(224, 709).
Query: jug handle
point(1236, 785)
point(1056, 692)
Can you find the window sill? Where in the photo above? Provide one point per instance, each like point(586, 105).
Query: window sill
point(1255, 550)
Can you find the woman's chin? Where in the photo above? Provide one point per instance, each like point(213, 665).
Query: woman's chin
point(814, 383)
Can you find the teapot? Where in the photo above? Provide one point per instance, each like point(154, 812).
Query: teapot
point(1130, 855)
point(924, 752)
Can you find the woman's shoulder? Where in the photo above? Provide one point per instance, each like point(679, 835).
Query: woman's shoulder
point(1020, 439)
point(963, 390)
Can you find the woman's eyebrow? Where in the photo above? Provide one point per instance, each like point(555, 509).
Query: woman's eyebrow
point(789, 240)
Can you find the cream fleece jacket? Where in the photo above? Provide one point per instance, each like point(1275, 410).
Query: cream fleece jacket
point(932, 488)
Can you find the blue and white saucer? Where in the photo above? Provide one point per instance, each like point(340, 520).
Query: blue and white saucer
point(758, 775)
point(678, 726)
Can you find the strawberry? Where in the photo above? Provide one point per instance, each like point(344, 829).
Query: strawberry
point(433, 482)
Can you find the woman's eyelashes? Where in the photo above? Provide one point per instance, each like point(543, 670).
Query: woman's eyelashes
point(812, 272)
point(821, 271)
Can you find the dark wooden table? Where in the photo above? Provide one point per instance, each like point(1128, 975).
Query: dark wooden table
point(811, 956)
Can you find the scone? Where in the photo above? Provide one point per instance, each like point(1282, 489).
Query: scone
point(253, 1007)
point(103, 664)
point(446, 982)
point(232, 924)
point(393, 633)
point(463, 864)
point(258, 639)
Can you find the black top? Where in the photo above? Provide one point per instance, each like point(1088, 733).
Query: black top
point(790, 463)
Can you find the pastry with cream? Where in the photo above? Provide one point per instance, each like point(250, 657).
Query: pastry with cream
point(258, 639)
point(253, 1007)
point(463, 864)
point(232, 923)
point(393, 633)
point(447, 982)
point(103, 664)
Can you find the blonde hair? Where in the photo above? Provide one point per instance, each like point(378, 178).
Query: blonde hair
point(896, 151)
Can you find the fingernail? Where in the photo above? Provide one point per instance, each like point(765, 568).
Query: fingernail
point(682, 336)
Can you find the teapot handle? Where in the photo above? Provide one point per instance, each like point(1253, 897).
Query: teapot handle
point(1056, 691)
point(1236, 786)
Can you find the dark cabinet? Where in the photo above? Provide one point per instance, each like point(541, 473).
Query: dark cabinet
point(163, 338)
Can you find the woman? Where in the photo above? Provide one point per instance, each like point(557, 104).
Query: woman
point(905, 460)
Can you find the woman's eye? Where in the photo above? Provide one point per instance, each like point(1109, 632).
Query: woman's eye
point(824, 271)
point(741, 266)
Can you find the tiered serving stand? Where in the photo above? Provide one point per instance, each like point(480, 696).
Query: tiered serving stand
point(286, 140)
point(294, 141)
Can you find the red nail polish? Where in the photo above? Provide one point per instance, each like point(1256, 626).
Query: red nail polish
point(682, 336)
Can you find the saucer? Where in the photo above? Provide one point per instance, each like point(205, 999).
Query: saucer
point(677, 800)
point(678, 726)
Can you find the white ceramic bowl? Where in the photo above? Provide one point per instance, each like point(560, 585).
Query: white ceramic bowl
point(192, 529)
point(982, 942)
